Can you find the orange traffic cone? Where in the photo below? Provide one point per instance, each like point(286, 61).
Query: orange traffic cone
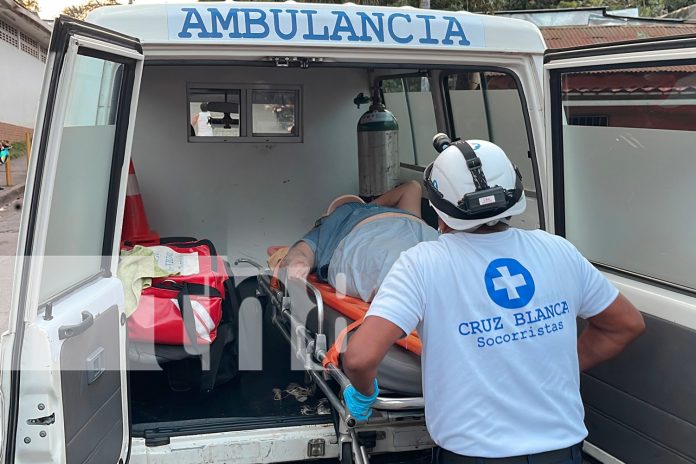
point(136, 230)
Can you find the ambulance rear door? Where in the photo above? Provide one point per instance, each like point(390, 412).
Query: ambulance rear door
point(621, 124)
point(64, 390)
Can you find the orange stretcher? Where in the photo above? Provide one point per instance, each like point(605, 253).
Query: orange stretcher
point(354, 309)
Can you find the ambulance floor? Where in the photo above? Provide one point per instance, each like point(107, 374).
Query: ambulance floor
point(251, 395)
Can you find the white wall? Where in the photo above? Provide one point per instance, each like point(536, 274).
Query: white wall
point(21, 80)
point(245, 196)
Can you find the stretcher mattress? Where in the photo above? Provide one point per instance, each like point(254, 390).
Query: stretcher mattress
point(400, 370)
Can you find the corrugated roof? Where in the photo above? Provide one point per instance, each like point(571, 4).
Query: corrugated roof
point(578, 36)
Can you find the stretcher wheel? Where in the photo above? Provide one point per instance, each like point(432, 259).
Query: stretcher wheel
point(346, 453)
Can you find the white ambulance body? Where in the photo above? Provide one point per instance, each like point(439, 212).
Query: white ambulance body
point(127, 85)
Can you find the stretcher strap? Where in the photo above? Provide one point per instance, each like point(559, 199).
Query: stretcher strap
point(355, 309)
point(335, 350)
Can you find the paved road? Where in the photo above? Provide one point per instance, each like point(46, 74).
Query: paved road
point(9, 229)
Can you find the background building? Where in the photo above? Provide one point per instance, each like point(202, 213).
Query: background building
point(24, 41)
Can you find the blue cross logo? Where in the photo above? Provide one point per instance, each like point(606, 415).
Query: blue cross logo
point(509, 284)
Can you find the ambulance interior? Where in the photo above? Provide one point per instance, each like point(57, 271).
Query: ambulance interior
point(284, 143)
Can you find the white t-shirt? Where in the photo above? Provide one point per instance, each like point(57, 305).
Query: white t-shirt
point(203, 127)
point(497, 316)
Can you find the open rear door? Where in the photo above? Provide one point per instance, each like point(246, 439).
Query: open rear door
point(64, 380)
point(622, 122)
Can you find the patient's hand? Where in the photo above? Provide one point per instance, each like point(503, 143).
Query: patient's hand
point(298, 270)
point(298, 263)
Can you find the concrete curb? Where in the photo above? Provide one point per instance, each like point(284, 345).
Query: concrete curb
point(9, 194)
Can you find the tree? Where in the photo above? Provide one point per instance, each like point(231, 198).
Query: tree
point(32, 5)
point(81, 11)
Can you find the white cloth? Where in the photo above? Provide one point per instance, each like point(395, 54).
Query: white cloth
point(496, 313)
point(203, 127)
point(364, 256)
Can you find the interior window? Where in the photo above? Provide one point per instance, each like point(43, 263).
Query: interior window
point(214, 112)
point(487, 106)
point(244, 113)
point(76, 226)
point(274, 112)
point(411, 102)
point(627, 176)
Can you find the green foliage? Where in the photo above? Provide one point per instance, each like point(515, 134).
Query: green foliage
point(32, 5)
point(18, 150)
point(81, 11)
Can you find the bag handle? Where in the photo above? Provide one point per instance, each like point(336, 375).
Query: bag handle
point(186, 309)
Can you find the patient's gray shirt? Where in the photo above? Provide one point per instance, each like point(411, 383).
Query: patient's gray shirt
point(355, 261)
point(330, 230)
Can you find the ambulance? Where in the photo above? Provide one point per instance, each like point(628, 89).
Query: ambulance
point(241, 122)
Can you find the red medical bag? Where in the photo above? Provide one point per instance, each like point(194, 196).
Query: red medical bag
point(183, 310)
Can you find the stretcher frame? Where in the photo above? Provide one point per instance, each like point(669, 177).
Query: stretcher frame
point(312, 353)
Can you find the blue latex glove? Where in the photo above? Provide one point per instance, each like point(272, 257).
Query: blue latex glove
point(359, 405)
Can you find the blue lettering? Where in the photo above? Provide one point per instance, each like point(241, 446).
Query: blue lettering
point(560, 325)
point(540, 315)
point(514, 336)
point(390, 27)
point(508, 338)
point(276, 23)
point(519, 319)
point(498, 323)
point(531, 333)
point(465, 327)
point(216, 18)
point(310, 35)
point(490, 342)
point(475, 327)
point(454, 29)
point(342, 17)
point(189, 23)
point(480, 342)
point(259, 21)
point(557, 309)
point(565, 307)
point(498, 340)
point(540, 331)
point(377, 29)
point(486, 325)
point(427, 39)
point(549, 312)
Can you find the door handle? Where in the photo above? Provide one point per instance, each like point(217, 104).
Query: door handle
point(68, 331)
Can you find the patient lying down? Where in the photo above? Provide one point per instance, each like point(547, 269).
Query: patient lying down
point(353, 246)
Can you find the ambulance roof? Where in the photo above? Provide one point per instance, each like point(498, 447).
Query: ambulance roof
point(319, 25)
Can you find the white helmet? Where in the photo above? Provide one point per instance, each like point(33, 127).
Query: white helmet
point(472, 183)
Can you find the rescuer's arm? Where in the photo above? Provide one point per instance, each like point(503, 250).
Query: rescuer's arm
point(366, 349)
point(609, 332)
point(299, 261)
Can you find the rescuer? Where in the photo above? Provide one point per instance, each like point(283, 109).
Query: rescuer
point(508, 392)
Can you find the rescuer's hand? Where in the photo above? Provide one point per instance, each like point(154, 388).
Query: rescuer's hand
point(359, 405)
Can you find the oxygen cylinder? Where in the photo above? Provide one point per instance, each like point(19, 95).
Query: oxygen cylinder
point(378, 150)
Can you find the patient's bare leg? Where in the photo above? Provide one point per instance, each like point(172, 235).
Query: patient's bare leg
point(406, 196)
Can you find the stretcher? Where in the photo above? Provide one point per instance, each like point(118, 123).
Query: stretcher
point(306, 319)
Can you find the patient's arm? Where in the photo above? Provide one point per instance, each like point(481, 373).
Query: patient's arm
point(298, 262)
point(406, 196)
